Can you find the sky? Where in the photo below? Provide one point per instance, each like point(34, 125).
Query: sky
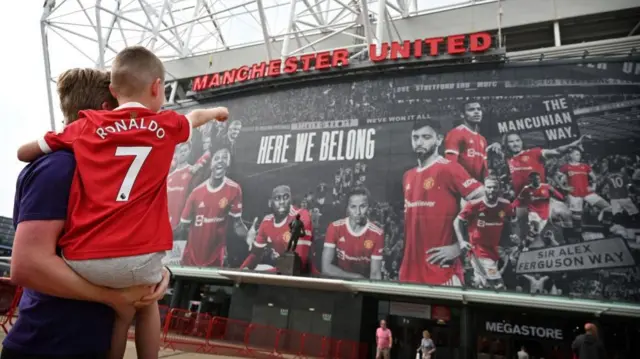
point(23, 97)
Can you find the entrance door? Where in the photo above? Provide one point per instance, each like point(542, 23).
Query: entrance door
point(493, 347)
point(407, 335)
point(268, 320)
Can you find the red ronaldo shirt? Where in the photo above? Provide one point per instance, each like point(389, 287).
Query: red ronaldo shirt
point(485, 224)
point(277, 235)
point(524, 163)
point(178, 184)
point(538, 199)
point(118, 201)
point(468, 148)
point(578, 178)
point(431, 201)
point(207, 211)
point(355, 250)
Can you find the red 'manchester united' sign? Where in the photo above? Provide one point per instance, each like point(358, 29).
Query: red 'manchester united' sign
point(339, 58)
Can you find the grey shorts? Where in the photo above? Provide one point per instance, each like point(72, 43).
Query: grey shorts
point(382, 353)
point(122, 272)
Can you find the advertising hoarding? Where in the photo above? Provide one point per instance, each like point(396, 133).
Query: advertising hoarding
point(389, 175)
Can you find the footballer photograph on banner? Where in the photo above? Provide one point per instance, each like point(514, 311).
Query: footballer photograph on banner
point(505, 180)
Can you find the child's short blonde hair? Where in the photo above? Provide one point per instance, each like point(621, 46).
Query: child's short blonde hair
point(133, 69)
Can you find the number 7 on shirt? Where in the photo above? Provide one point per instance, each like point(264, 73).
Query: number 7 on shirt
point(141, 154)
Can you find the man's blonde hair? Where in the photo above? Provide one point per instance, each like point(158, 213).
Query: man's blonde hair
point(133, 69)
point(83, 89)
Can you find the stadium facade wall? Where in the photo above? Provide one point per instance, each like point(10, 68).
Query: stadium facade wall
point(459, 330)
point(309, 311)
point(458, 20)
point(306, 148)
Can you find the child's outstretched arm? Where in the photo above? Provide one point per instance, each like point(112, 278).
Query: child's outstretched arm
point(52, 141)
point(201, 116)
point(30, 152)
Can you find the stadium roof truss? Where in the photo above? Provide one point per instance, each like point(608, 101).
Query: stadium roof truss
point(91, 32)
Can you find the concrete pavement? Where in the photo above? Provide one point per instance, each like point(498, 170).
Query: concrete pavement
point(173, 354)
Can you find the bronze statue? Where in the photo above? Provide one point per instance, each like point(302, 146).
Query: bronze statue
point(296, 228)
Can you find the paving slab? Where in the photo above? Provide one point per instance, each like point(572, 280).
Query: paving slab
point(165, 353)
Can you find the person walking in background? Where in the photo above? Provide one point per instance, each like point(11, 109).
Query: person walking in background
point(383, 341)
point(427, 347)
point(588, 345)
point(522, 354)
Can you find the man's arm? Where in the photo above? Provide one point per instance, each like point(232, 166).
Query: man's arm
point(35, 265)
point(240, 228)
point(41, 210)
point(452, 145)
point(594, 180)
point(561, 150)
point(556, 194)
point(460, 228)
point(375, 271)
point(575, 346)
point(563, 183)
point(328, 268)
point(256, 242)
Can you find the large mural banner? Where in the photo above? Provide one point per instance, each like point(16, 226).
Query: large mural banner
point(521, 179)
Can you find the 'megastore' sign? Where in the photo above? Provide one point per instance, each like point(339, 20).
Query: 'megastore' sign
point(524, 330)
point(339, 58)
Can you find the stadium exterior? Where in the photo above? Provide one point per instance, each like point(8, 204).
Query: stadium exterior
point(330, 130)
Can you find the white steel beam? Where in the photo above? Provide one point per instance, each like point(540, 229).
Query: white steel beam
point(47, 63)
point(556, 34)
point(366, 22)
point(176, 29)
point(290, 27)
point(265, 29)
point(382, 20)
point(101, 47)
point(187, 40)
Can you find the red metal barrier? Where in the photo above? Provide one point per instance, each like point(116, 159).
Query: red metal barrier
point(227, 337)
point(10, 295)
point(200, 332)
point(186, 331)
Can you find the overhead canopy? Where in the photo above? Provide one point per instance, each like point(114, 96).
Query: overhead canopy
point(462, 295)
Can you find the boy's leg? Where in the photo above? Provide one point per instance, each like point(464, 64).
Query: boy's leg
point(124, 272)
point(119, 335)
point(148, 332)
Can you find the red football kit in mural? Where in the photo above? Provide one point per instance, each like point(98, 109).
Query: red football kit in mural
point(578, 178)
point(485, 223)
point(468, 148)
point(355, 250)
point(538, 200)
point(431, 201)
point(523, 164)
point(118, 198)
point(207, 211)
point(178, 183)
point(276, 235)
